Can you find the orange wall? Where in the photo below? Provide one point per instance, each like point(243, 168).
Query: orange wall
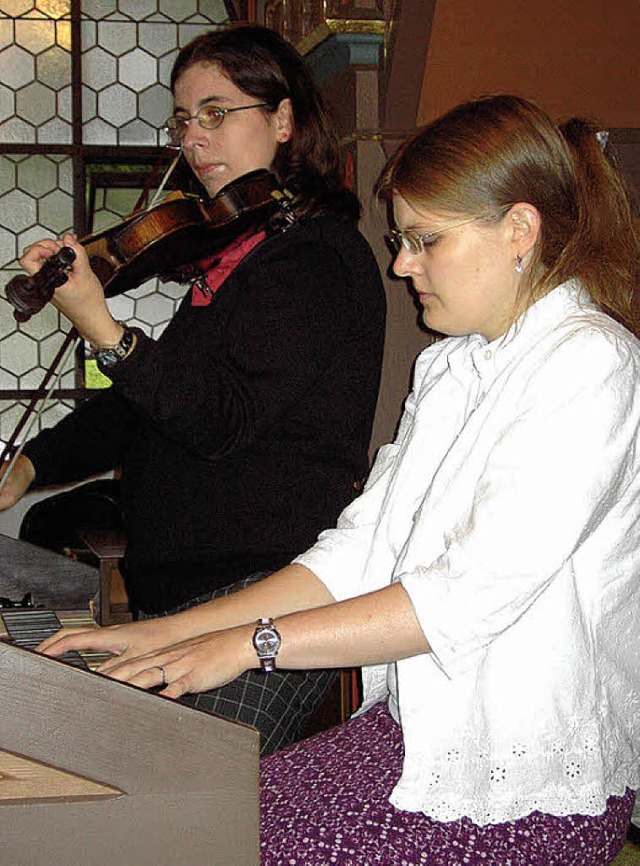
point(573, 58)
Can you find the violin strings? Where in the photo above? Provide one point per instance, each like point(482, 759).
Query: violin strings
point(166, 177)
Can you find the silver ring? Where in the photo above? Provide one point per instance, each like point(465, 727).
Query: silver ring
point(164, 676)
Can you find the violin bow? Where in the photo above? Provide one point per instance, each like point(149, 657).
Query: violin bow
point(50, 380)
point(52, 375)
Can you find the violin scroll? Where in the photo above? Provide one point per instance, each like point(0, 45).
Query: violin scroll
point(28, 295)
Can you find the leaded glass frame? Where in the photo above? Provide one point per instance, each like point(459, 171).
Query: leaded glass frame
point(82, 85)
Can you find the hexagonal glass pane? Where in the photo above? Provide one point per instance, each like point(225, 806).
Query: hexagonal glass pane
point(214, 11)
point(128, 49)
point(117, 37)
point(143, 290)
point(37, 175)
point(117, 105)
point(54, 68)
point(173, 290)
point(89, 33)
point(6, 33)
point(121, 307)
point(8, 247)
point(154, 309)
point(43, 326)
point(98, 9)
point(16, 131)
point(7, 380)
point(7, 102)
point(8, 174)
point(15, 8)
point(98, 68)
point(137, 10)
point(138, 133)
point(56, 131)
point(35, 36)
point(65, 98)
point(155, 105)
point(99, 132)
point(115, 202)
point(165, 65)
point(65, 172)
point(89, 104)
point(11, 416)
point(18, 67)
point(51, 345)
point(63, 35)
point(138, 70)
point(178, 11)
point(18, 210)
point(31, 236)
point(56, 211)
point(190, 31)
point(36, 103)
point(157, 39)
point(18, 353)
point(7, 322)
point(54, 8)
point(135, 323)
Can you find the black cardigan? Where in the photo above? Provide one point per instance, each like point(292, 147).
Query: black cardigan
point(242, 430)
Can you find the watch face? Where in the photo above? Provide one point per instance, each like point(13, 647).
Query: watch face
point(108, 357)
point(266, 640)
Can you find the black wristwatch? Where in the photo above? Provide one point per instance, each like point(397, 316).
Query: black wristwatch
point(110, 356)
point(267, 643)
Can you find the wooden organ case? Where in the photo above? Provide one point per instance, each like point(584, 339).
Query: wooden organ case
point(93, 771)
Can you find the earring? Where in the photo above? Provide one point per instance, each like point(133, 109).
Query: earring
point(519, 266)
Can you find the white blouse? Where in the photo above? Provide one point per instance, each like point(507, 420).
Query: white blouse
point(508, 506)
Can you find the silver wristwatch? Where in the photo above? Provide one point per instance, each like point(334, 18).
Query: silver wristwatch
point(267, 643)
point(109, 357)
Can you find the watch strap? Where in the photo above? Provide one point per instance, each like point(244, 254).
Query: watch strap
point(109, 356)
point(266, 642)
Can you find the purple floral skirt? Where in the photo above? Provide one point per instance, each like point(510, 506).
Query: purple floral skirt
point(324, 801)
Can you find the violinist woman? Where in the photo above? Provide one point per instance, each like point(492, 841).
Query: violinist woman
point(244, 429)
point(487, 577)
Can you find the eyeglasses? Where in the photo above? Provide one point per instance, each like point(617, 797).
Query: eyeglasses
point(208, 117)
point(414, 242)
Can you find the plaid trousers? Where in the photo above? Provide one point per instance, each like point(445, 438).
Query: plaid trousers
point(277, 704)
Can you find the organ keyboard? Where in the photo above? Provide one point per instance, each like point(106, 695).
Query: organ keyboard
point(28, 627)
point(96, 771)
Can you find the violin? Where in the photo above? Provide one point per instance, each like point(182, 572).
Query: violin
point(157, 241)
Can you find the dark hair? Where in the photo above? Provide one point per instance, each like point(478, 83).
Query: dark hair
point(265, 66)
point(492, 152)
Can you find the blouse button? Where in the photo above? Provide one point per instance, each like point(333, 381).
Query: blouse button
point(487, 354)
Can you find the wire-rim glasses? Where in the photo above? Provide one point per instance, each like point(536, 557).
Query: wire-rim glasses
point(208, 117)
point(414, 242)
